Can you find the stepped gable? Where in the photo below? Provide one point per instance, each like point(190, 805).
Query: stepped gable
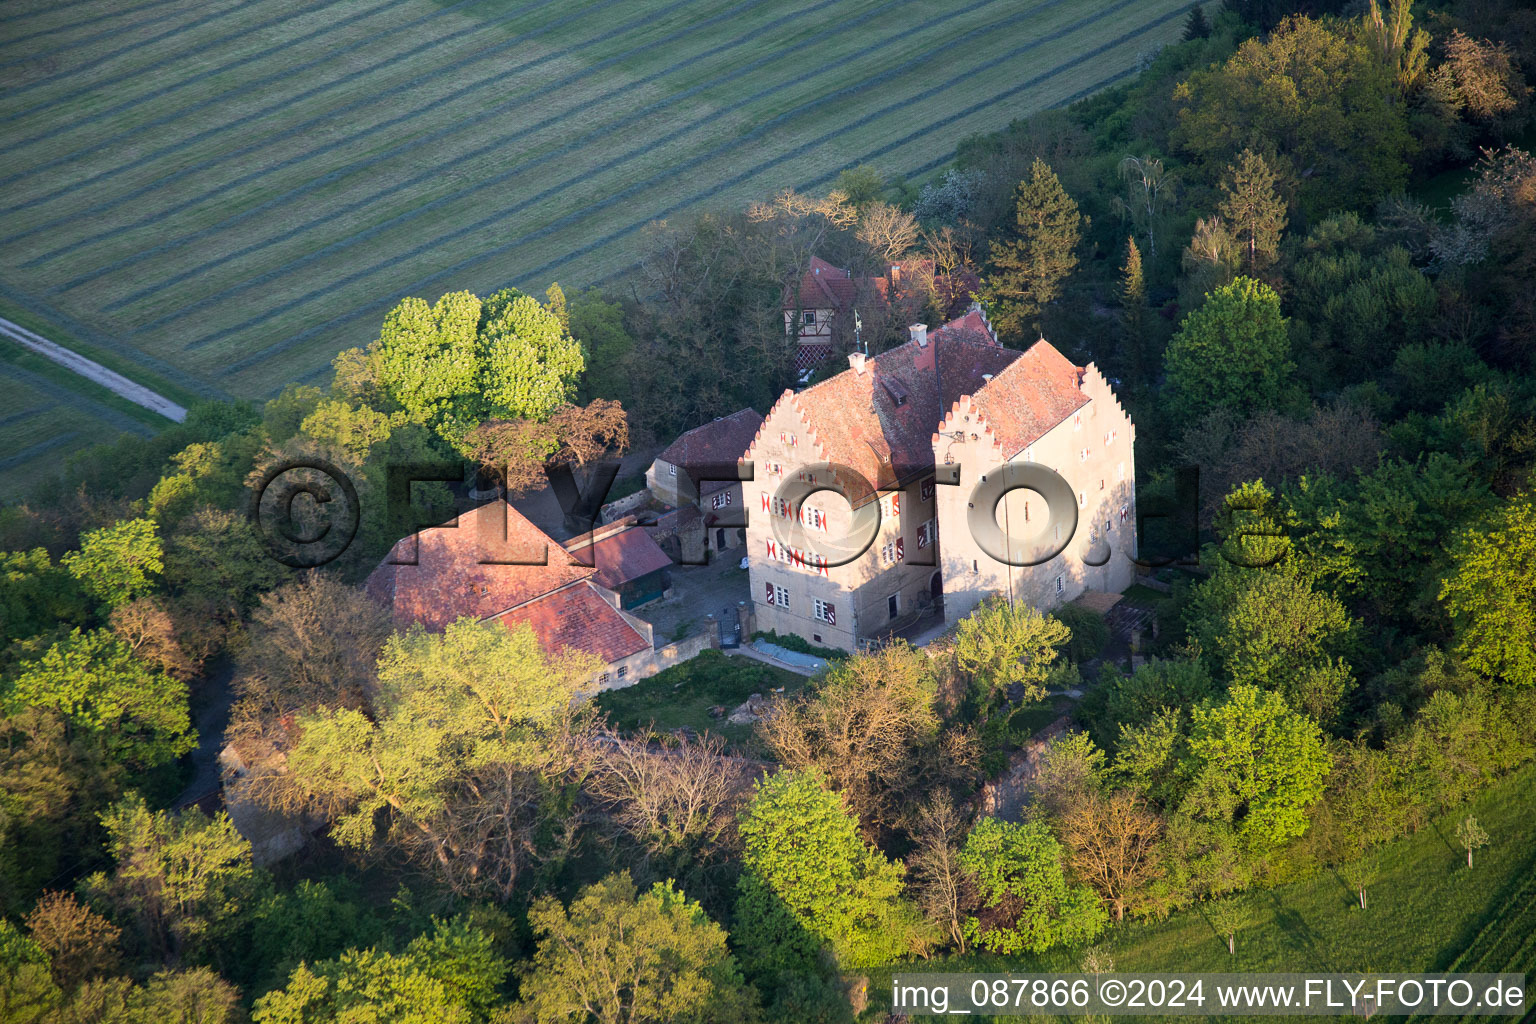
point(450, 578)
point(1019, 405)
point(880, 420)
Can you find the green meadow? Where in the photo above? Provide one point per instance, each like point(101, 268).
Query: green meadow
point(222, 194)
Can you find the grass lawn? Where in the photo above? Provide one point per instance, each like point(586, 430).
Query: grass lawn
point(47, 411)
point(223, 195)
point(1143, 596)
point(681, 696)
point(1427, 913)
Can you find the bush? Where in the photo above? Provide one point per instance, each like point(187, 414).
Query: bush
point(790, 642)
point(1089, 632)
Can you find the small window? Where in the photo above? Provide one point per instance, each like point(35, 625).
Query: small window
point(671, 469)
point(1082, 456)
point(975, 565)
point(1061, 585)
point(603, 679)
point(1082, 499)
point(810, 317)
point(893, 604)
point(927, 490)
point(815, 638)
point(1101, 483)
point(1077, 422)
point(623, 671)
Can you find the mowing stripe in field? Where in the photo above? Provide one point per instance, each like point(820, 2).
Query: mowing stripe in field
point(822, 179)
point(245, 87)
point(545, 268)
point(75, 400)
point(159, 216)
point(588, 173)
point(25, 414)
point(157, 66)
point(45, 9)
point(362, 101)
point(14, 40)
point(490, 147)
point(263, 142)
point(90, 336)
point(561, 222)
point(32, 451)
point(73, 185)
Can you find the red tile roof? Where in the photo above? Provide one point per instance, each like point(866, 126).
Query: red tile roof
point(824, 286)
point(451, 578)
point(859, 420)
point(856, 419)
point(1037, 391)
point(621, 556)
point(706, 450)
point(577, 617)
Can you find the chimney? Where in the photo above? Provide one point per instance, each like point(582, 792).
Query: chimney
point(919, 334)
point(856, 360)
point(986, 376)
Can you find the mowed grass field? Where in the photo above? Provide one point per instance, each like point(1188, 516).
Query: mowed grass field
point(225, 193)
point(1426, 912)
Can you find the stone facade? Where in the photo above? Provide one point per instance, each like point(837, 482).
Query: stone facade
point(1093, 449)
point(955, 400)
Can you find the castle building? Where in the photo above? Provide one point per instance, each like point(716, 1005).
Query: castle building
point(924, 423)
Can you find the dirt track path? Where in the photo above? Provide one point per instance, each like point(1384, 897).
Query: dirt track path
point(138, 394)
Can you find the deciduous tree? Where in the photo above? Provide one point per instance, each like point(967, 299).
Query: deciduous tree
point(870, 725)
point(118, 563)
point(1232, 352)
point(1258, 766)
point(618, 956)
point(1113, 843)
point(1008, 650)
point(940, 884)
point(1490, 593)
point(178, 879)
point(448, 976)
point(1026, 902)
point(1323, 102)
point(108, 698)
point(1471, 836)
point(808, 880)
point(461, 759)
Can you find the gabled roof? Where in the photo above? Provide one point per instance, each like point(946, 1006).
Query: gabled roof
point(1037, 391)
point(881, 422)
point(577, 617)
point(619, 556)
point(824, 286)
point(455, 571)
point(714, 446)
point(856, 418)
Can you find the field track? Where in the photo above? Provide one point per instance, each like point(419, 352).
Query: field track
point(224, 193)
